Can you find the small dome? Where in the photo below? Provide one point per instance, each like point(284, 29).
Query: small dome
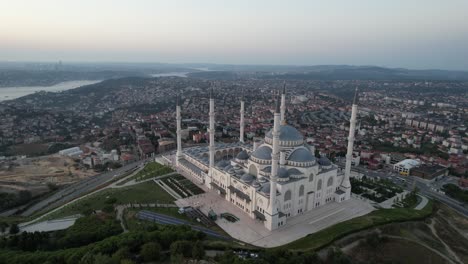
point(287, 133)
point(265, 188)
point(324, 161)
point(228, 167)
point(267, 169)
point(247, 178)
point(243, 155)
point(263, 152)
point(301, 155)
point(262, 179)
point(222, 164)
point(283, 173)
point(294, 171)
point(256, 184)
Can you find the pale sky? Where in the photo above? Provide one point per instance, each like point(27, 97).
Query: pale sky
point(395, 33)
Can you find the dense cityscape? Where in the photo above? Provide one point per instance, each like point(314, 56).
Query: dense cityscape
point(233, 132)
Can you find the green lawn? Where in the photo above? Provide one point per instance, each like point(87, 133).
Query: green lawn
point(147, 192)
point(382, 216)
point(133, 224)
point(152, 169)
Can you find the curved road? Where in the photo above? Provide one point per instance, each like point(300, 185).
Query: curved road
point(80, 188)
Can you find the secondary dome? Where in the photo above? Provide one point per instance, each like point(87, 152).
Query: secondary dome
point(287, 133)
point(263, 152)
point(324, 161)
point(222, 164)
point(265, 188)
point(283, 173)
point(301, 155)
point(243, 155)
point(247, 178)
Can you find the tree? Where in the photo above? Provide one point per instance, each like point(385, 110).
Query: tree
point(102, 259)
point(317, 153)
point(14, 229)
point(121, 254)
point(24, 196)
point(150, 251)
point(108, 209)
point(198, 251)
point(182, 247)
point(177, 259)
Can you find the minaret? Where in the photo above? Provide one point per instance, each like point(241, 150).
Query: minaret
point(241, 130)
point(275, 155)
point(349, 154)
point(283, 104)
point(211, 131)
point(179, 132)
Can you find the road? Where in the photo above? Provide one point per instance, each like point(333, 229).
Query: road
point(80, 188)
point(425, 188)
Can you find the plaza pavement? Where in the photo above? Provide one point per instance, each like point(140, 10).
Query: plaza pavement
point(253, 232)
point(50, 225)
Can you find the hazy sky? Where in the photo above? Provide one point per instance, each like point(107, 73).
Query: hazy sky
point(395, 33)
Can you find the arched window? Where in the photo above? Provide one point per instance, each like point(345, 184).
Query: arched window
point(287, 195)
point(301, 190)
point(330, 182)
point(319, 185)
point(253, 170)
point(311, 177)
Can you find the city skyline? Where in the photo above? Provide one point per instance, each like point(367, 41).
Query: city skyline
point(416, 35)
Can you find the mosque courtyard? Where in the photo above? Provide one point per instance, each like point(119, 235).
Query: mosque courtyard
point(253, 232)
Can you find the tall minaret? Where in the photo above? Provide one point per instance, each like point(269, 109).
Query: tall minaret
point(275, 156)
point(283, 104)
point(349, 154)
point(179, 132)
point(211, 131)
point(241, 132)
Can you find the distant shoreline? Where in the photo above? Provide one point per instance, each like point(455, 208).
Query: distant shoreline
point(14, 92)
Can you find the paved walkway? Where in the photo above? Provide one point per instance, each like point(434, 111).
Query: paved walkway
point(133, 182)
point(167, 189)
point(253, 232)
point(388, 204)
point(51, 225)
point(422, 204)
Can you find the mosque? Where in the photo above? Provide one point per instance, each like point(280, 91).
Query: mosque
point(271, 180)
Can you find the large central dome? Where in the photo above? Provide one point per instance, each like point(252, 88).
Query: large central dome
point(287, 133)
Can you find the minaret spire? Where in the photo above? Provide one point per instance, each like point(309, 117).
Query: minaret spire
point(275, 155)
point(283, 104)
point(179, 131)
point(346, 185)
point(211, 131)
point(242, 108)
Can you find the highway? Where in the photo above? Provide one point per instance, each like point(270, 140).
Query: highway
point(80, 188)
point(429, 189)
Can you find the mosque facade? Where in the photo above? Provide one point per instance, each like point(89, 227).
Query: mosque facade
point(271, 180)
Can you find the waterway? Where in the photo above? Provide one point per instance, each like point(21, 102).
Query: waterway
point(9, 93)
point(168, 74)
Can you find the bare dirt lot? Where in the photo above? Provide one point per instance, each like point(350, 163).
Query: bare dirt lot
point(33, 174)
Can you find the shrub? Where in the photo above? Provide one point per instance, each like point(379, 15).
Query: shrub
point(150, 251)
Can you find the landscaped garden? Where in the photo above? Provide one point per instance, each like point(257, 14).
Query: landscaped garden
point(151, 170)
point(377, 190)
point(182, 186)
